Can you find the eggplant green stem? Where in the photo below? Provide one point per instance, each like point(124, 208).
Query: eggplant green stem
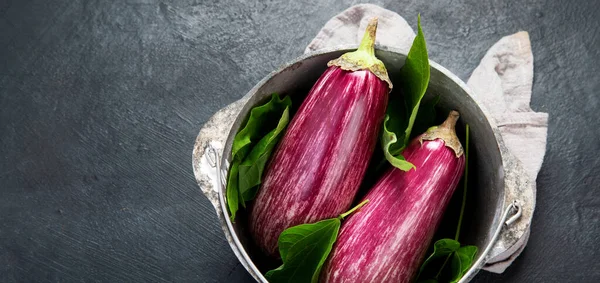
point(446, 132)
point(367, 44)
point(343, 215)
point(466, 178)
point(364, 57)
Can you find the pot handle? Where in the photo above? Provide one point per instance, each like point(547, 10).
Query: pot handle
point(511, 214)
point(204, 160)
point(518, 185)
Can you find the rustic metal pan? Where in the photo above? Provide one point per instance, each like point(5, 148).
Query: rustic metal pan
point(502, 199)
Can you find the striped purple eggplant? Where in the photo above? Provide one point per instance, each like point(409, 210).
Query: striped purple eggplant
point(320, 162)
point(387, 239)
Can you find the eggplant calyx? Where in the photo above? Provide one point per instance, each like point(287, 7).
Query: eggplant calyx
point(364, 58)
point(446, 132)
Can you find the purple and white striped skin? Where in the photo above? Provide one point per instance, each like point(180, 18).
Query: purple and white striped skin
point(386, 240)
point(317, 168)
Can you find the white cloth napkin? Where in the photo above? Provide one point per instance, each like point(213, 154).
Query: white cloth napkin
point(502, 82)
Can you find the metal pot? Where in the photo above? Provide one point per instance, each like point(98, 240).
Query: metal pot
point(501, 194)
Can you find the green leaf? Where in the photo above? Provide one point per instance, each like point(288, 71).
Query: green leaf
point(398, 121)
point(252, 147)
point(251, 169)
point(455, 267)
point(401, 113)
point(441, 248)
point(426, 116)
point(415, 77)
point(387, 140)
point(260, 122)
point(304, 249)
point(232, 192)
point(462, 260)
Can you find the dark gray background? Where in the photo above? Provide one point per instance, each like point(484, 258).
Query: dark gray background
point(100, 103)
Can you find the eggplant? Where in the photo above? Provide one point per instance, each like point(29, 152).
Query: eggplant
point(316, 169)
point(386, 240)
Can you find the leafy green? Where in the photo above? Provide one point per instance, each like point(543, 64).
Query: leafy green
point(415, 79)
point(396, 121)
point(426, 117)
point(252, 147)
point(388, 139)
point(415, 74)
point(232, 192)
point(460, 257)
point(391, 148)
point(251, 169)
point(441, 248)
point(259, 124)
point(304, 249)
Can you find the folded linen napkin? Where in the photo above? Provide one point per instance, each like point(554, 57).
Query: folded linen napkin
point(502, 82)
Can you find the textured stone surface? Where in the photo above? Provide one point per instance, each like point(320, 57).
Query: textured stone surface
point(100, 103)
